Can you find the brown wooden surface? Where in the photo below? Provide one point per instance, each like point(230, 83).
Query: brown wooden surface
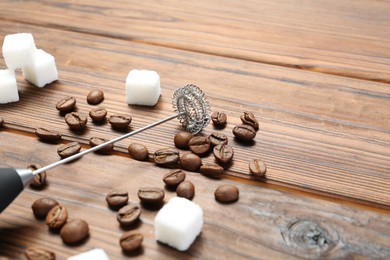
point(325, 135)
point(264, 223)
point(348, 38)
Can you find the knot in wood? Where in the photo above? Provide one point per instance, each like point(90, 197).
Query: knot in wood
point(311, 239)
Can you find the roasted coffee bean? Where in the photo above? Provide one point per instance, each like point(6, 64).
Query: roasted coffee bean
point(1, 121)
point(199, 145)
point(40, 179)
point(138, 151)
point(66, 104)
point(76, 121)
point(119, 121)
point(244, 132)
point(249, 119)
point(98, 114)
point(74, 231)
point(95, 141)
point(219, 119)
point(95, 96)
point(37, 253)
point(257, 167)
point(117, 198)
point(47, 135)
point(166, 157)
point(56, 217)
point(69, 149)
point(42, 206)
point(211, 170)
point(226, 193)
point(190, 162)
point(186, 189)
point(223, 153)
point(151, 195)
point(129, 214)
point(131, 241)
point(182, 139)
point(217, 138)
point(174, 178)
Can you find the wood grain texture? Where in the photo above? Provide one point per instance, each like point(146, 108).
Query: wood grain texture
point(348, 38)
point(263, 224)
point(318, 132)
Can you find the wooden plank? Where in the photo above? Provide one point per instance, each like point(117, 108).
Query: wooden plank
point(348, 38)
point(264, 223)
point(318, 132)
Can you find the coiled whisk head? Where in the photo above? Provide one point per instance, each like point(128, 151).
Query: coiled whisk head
point(191, 103)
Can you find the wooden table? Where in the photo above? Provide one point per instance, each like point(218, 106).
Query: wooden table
point(316, 75)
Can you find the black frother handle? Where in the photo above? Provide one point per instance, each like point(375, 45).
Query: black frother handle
point(10, 186)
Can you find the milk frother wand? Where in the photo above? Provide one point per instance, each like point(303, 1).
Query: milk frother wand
point(193, 111)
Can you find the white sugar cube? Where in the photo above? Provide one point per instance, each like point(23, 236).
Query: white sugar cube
point(8, 87)
point(95, 254)
point(18, 50)
point(178, 223)
point(43, 69)
point(142, 87)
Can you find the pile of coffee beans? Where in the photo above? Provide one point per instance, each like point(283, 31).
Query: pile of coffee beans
point(56, 218)
point(127, 215)
point(77, 122)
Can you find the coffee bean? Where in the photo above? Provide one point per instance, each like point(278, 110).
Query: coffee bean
point(47, 135)
point(130, 241)
point(76, 121)
point(42, 206)
point(226, 193)
point(190, 162)
point(74, 231)
point(186, 190)
point(37, 253)
point(174, 178)
point(249, 119)
point(68, 149)
point(66, 104)
point(166, 157)
point(119, 121)
point(129, 214)
point(98, 114)
point(95, 96)
point(40, 179)
point(223, 153)
point(199, 145)
point(56, 217)
point(244, 132)
point(138, 151)
point(151, 195)
point(211, 170)
point(219, 119)
point(257, 167)
point(217, 138)
point(117, 198)
point(1, 121)
point(95, 141)
point(181, 139)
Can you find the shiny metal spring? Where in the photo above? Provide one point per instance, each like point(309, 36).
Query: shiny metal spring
point(192, 103)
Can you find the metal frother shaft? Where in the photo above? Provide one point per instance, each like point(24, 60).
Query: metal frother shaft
point(192, 109)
